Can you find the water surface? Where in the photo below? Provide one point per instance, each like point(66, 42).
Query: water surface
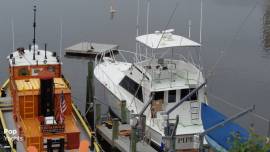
point(240, 77)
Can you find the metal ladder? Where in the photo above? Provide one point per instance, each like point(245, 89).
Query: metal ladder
point(195, 112)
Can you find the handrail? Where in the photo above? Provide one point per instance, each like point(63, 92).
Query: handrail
point(66, 82)
point(101, 55)
point(3, 122)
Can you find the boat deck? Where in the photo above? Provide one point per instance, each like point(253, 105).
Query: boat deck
point(32, 125)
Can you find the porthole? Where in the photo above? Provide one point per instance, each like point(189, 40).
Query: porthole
point(23, 72)
point(51, 68)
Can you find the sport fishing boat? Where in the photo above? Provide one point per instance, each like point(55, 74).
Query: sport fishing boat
point(166, 88)
point(42, 113)
point(163, 80)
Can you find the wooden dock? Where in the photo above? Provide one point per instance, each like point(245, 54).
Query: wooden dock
point(89, 49)
point(123, 142)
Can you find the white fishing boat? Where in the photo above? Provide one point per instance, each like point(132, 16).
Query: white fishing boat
point(164, 81)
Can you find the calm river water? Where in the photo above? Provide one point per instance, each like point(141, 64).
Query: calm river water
point(236, 35)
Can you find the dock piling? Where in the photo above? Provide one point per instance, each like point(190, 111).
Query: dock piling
point(90, 91)
point(115, 128)
point(124, 112)
point(98, 114)
point(133, 139)
point(141, 127)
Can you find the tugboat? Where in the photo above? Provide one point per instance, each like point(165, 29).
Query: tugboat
point(41, 97)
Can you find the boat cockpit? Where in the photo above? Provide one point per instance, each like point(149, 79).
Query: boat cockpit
point(163, 99)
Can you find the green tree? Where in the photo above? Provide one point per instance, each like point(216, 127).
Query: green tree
point(255, 143)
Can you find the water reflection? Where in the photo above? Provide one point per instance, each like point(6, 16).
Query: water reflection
point(266, 27)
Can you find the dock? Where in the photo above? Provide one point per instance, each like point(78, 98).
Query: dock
point(90, 49)
point(123, 142)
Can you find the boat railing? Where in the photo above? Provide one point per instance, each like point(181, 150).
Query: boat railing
point(172, 76)
point(123, 55)
point(66, 82)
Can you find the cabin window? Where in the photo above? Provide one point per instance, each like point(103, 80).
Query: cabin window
point(132, 87)
point(51, 68)
point(159, 95)
point(185, 92)
point(23, 72)
point(36, 71)
point(172, 96)
point(185, 140)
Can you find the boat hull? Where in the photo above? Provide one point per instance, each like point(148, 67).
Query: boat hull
point(151, 134)
point(212, 142)
point(115, 107)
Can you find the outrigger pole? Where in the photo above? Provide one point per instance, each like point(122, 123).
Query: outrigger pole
point(137, 30)
point(146, 105)
point(176, 105)
point(201, 21)
point(170, 134)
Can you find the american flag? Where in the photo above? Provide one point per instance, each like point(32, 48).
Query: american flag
point(62, 109)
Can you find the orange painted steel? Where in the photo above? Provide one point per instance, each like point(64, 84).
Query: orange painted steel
point(84, 146)
point(25, 92)
point(32, 149)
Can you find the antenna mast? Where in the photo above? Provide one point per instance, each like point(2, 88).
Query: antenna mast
point(147, 23)
point(12, 31)
point(189, 28)
point(147, 17)
point(61, 38)
point(34, 39)
point(137, 29)
point(201, 22)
